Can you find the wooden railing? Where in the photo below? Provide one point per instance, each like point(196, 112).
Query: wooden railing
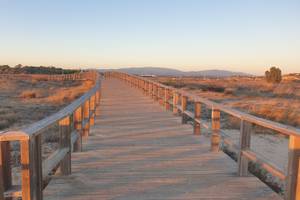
point(177, 99)
point(74, 122)
point(58, 77)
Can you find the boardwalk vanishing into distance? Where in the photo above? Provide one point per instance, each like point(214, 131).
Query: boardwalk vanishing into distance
point(137, 150)
point(134, 139)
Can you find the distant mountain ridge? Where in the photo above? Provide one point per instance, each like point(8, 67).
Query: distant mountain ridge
point(158, 71)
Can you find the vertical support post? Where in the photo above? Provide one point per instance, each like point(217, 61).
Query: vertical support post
point(38, 166)
point(86, 120)
point(167, 98)
point(245, 139)
point(293, 176)
point(150, 89)
point(197, 126)
point(154, 92)
point(31, 163)
point(183, 106)
point(97, 97)
point(175, 102)
point(92, 110)
point(78, 127)
point(215, 136)
point(157, 93)
point(65, 142)
point(5, 169)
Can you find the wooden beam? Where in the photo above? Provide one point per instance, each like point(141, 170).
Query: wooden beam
point(293, 176)
point(86, 116)
point(245, 139)
point(65, 142)
point(197, 110)
point(78, 126)
point(5, 168)
point(215, 136)
point(175, 102)
point(92, 109)
point(167, 98)
point(184, 106)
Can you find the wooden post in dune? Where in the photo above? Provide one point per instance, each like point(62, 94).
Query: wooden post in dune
point(65, 142)
point(197, 125)
point(86, 118)
point(215, 136)
point(183, 107)
point(245, 138)
point(78, 126)
point(293, 174)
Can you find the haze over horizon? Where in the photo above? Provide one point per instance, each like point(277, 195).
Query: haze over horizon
point(192, 35)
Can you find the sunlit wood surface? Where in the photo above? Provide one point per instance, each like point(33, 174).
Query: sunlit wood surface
point(137, 151)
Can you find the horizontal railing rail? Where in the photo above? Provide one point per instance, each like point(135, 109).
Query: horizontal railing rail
point(56, 77)
point(177, 99)
point(73, 121)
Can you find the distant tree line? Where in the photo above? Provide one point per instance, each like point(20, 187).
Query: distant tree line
point(273, 75)
point(19, 69)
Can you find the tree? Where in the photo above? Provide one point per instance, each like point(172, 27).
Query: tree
point(273, 75)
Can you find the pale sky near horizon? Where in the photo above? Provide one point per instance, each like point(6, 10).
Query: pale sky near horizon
point(238, 35)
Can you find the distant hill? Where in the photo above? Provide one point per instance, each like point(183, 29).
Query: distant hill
point(158, 71)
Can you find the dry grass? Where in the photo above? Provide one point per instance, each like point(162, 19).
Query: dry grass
point(278, 102)
point(25, 101)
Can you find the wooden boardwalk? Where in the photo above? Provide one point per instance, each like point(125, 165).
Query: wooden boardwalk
point(137, 151)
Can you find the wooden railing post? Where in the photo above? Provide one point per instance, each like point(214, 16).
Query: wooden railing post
point(92, 109)
point(293, 174)
point(157, 93)
point(154, 92)
point(175, 102)
point(184, 106)
point(215, 136)
point(197, 110)
point(86, 118)
point(65, 142)
point(167, 98)
point(150, 89)
point(245, 138)
point(31, 164)
point(5, 168)
point(78, 126)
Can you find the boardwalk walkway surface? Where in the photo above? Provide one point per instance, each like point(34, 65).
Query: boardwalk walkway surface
point(138, 151)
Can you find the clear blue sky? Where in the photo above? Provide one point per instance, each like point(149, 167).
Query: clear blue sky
point(240, 35)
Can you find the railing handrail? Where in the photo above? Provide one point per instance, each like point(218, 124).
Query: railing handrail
point(276, 126)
